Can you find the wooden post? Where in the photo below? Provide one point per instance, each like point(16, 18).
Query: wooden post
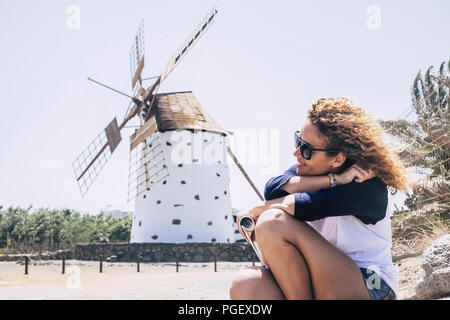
point(138, 260)
point(63, 263)
point(101, 264)
point(215, 263)
point(26, 264)
point(177, 262)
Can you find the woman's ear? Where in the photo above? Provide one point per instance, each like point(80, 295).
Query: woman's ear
point(339, 160)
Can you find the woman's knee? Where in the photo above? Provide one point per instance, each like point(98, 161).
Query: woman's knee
point(271, 221)
point(249, 283)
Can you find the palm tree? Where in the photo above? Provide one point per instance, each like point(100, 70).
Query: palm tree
point(427, 149)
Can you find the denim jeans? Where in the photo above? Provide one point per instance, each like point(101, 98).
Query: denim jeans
point(378, 289)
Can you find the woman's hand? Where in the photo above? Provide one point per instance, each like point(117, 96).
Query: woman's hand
point(356, 173)
point(253, 213)
point(238, 220)
point(287, 204)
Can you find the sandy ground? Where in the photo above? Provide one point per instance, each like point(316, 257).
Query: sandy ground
point(194, 281)
point(83, 280)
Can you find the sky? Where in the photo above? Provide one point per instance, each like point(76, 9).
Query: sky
point(256, 71)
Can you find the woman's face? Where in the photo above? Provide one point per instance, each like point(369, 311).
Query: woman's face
point(320, 163)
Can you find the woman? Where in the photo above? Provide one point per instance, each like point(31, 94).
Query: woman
point(323, 229)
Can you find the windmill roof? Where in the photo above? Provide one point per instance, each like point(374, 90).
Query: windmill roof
point(181, 110)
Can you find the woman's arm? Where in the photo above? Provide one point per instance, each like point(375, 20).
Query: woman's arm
point(366, 201)
point(307, 183)
point(282, 192)
point(289, 182)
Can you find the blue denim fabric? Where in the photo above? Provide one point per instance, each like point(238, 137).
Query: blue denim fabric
point(378, 289)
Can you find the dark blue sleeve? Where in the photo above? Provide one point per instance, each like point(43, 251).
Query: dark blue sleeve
point(367, 201)
point(272, 188)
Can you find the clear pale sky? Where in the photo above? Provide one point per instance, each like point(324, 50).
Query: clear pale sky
point(259, 67)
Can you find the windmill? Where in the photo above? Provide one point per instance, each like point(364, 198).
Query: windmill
point(178, 174)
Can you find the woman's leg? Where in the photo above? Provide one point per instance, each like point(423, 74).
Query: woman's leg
point(333, 274)
point(255, 283)
point(287, 265)
point(259, 283)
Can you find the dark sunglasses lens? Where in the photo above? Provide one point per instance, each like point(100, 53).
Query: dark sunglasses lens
point(306, 152)
point(304, 147)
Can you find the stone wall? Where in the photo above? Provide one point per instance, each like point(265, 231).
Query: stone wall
point(46, 255)
point(165, 252)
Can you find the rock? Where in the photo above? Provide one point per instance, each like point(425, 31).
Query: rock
point(112, 258)
point(198, 258)
point(436, 264)
point(46, 255)
point(158, 256)
point(224, 255)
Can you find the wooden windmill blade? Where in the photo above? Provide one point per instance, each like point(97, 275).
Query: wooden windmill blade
point(244, 173)
point(147, 160)
point(180, 53)
point(189, 43)
point(137, 54)
point(88, 165)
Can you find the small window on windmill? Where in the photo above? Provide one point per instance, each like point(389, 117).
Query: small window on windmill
point(147, 163)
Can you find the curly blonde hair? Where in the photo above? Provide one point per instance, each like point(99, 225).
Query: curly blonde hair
point(360, 137)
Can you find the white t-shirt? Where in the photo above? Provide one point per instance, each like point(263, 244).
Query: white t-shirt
point(368, 245)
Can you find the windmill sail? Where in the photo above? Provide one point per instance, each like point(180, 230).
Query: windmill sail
point(93, 159)
point(137, 53)
point(147, 162)
point(189, 43)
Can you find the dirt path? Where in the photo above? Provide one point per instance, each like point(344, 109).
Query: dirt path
point(198, 281)
point(82, 280)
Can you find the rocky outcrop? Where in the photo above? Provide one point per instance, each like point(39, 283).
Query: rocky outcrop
point(436, 264)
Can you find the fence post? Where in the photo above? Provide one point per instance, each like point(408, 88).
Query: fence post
point(101, 264)
point(138, 260)
point(215, 263)
point(51, 241)
point(26, 264)
point(177, 262)
point(64, 263)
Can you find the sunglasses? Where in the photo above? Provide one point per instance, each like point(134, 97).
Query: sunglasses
point(305, 148)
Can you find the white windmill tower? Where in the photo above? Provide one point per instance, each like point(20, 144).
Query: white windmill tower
point(178, 173)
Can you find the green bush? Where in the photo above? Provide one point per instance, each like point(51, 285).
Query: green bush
point(61, 225)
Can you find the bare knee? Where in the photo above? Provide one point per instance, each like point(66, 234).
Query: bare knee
point(245, 284)
point(253, 283)
point(270, 223)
